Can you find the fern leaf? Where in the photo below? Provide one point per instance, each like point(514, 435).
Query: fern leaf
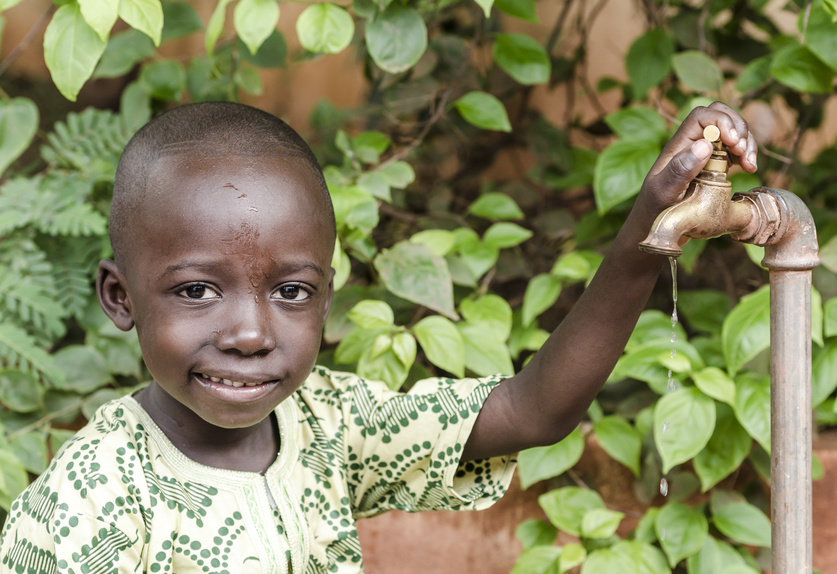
point(18, 203)
point(76, 219)
point(19, 350)
point(73, 271)
point(31, 305)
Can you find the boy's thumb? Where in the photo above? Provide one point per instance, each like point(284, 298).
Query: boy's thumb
point(687, 164)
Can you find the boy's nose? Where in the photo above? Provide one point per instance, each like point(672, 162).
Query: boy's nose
point(247, 331)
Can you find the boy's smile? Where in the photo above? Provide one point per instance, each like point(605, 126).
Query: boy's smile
point(228, 282)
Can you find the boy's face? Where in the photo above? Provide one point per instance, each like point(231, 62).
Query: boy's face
point(228, 281)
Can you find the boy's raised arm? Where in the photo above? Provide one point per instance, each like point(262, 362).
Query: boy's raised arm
point(547, 399)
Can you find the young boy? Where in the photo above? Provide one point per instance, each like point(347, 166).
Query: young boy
point(223, 231)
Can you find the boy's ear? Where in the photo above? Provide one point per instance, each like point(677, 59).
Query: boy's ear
point(113, 295)
point(330, 296)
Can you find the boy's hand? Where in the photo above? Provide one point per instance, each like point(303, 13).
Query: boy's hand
point(687, 152)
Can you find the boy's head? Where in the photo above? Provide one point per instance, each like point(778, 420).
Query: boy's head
point(223, 232)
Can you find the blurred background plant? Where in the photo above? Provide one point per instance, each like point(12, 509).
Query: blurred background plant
point(446, 263)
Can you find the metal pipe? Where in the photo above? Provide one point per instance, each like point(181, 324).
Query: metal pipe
point(790, 254)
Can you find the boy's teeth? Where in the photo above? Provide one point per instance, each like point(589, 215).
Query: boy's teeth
point(228, 382)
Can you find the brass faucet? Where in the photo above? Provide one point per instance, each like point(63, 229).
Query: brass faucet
point(707, 210)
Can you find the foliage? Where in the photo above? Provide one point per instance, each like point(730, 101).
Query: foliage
point(439, 269)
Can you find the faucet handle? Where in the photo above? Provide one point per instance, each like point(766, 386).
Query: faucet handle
point(712, 133)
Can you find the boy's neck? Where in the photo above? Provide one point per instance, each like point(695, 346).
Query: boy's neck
point(250, 449)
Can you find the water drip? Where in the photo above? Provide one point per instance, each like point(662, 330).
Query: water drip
point(664, 486)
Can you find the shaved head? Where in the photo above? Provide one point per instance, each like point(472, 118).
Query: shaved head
point(210, 129)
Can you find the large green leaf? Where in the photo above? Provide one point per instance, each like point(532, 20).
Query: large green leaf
point(215, 26)
point(496, 206)
point(647, 559)
point(523, 9)
point(821, 36)
point(14, 478)
point(18, 124)
point(683, 424)
point(100, 14)
point(84, 368)
point(485, 353)
point(31, 450)
point(606, 561)
point(823, 372)
point(798, 68)
point(491, 312)
point(396, 38)
point(20, 391)
point(620, 440)
point(715, 557)
point(698, 71)
point(163, 79)
point(746, 330)
point(71, 50)
point(726, 450)
point(325, 28)
point(413, 272)
point(542, 462)
point(752, 407)
point(715, 383)
point(123, 52)
point(442, 343)
point(566, 507)
point(649, 60)
point(483, 111)
point(179, 19)
point(505, 234)
point(255, 20)
point(601, 523)
point(143, 15)
point(538, 560)
point(541, 293)
point(371, 314)
point(744, 523)
point(522, 58)
point(637, 123)
point(681, 531)
point(533, 532)
point(620, 170)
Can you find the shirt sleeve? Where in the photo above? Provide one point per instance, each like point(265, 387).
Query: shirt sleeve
point(403, 449)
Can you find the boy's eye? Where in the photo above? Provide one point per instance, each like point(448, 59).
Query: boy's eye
point(197, 291)
point(293, 292)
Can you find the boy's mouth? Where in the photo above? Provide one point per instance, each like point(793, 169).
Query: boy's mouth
point(232, 383)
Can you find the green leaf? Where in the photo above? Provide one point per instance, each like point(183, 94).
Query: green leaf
point(704, 309)
point(649, 61)
point(412, 271)
point(18, 349)
point(355, 344)
point(683, 424)
point(484, 111)
point(442, 343)
point(215, 26)
point(755, 75)
point(84, 368)
point(534, 532)
point(576, 265)
point(100, 14)
point(143, 15)
point(123, 52)
point(18, 124)
point(715, 557)
point(14, 478)
point(541, 293)
point(620, 170)
point(485, 354)
point(796, 67)
point(725, 452)
point(746, 330)
point(496, 206)
point(566, 507)
point(681, 531)
point(272, 53)
point(542, 462)
point(491, 312)
point(179, 19)
point(715, 383)
point(255, 20)
point(396, 38)
point(823, 376)
point(384, 366)
point(538, 560)
point(439, 241)
point(368, 146)
point(20, 391)
point(698, 71)
point(376, 184)
point(619, 439)
point(486, 6)
point(71, 50)
point(744, 523)
point(399, 174)
point(523, 9)
point(646, 558)
point(325, 28)
point(572, 555)
point(164, 79)
point(830, 317)
point(637, 123)
point(404, 347)
point(504, 234)
point(606, 561)
point(522, 58)
point(371, 314)
point(820, 37)
point(752, 407)
point(31, 450)
point(600, 523)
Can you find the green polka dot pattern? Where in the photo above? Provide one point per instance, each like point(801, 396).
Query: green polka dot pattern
point(119, 497)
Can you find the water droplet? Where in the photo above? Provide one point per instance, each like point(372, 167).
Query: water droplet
point(673, 337)
point(671, 385)
point(665, 427)
point(673, 353)
point(664, 492)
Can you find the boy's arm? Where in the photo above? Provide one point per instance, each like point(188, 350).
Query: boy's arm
point(547, 399)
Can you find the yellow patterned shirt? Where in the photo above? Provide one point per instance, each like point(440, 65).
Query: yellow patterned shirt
point(119, 497)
